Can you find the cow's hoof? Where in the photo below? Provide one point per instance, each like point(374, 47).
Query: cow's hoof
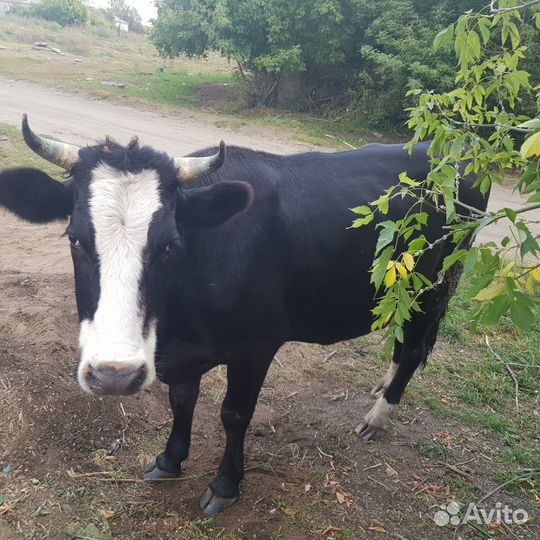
point(213, 504)
point(153, 473)
point(368, 433)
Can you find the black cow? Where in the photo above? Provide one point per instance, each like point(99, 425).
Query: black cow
point(173, 278)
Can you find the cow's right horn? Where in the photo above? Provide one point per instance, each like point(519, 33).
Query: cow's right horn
point(61, 154)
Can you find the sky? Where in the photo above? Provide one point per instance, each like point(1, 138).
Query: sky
point(145, 7)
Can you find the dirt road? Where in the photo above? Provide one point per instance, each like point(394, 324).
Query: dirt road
point(81, 120)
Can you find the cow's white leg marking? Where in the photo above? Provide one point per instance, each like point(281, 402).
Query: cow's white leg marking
point(122, 206)
point(379, 414)
point(375, 420)
point(382, 385)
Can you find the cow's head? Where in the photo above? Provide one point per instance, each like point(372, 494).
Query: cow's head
point(127, 213)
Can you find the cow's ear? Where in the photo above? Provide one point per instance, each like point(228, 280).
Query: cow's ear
point(35, 196)
point(213, 205)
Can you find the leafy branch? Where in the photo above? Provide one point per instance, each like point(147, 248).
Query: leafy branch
point(476, 129)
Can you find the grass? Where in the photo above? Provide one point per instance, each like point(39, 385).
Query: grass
point(433, 450)
point(163, 86)
point(477, 387)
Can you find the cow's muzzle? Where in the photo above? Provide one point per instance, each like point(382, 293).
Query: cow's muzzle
point(115, 380)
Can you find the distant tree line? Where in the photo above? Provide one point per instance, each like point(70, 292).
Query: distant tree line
point(325, 54)
point(76, 13)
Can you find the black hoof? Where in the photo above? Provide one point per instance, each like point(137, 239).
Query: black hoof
point(369, 433)
point(153, 473)
point(212, 504)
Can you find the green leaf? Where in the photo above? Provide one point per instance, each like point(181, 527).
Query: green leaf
point(470, 260)
point(379, 268)
point(485, 184)
point(362, 221)
point(474, 44)
point(522, 315)
point(382, 203)
point(484, 26)
point(453, 258)
point(388, 230)
point(528, 244)
point(404, 179)
point(417, 244)
point(362, 210)
point(510, 214)
point(444, 37)
point(421, 217)
point(496, 309)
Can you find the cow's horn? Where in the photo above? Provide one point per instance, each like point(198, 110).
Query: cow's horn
point(190, 168)
point(61, 154)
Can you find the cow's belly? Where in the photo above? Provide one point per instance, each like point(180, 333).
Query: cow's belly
point(331, 317)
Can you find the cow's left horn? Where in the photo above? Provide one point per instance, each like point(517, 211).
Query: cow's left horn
point(190, 168)
point(61, 154)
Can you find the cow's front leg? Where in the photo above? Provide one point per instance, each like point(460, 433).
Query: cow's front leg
point(244, 381)
point(182, 398)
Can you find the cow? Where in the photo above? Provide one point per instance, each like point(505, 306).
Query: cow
point(183, 264)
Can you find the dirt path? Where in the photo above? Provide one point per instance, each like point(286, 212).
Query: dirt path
point(81, 120)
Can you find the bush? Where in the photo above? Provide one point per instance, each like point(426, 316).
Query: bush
point(64, 12)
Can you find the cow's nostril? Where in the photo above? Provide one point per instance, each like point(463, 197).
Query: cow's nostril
point(113, 379)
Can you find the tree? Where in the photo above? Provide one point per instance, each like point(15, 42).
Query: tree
point(119, 8)
point(358, 53)
point(64, 12)
point(267, 39)
point(480, 124)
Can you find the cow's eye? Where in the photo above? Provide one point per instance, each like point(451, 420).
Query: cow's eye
point(169, 248)
point(74, 241)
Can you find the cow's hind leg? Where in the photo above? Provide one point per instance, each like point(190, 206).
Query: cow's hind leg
point(244, 381)
point(168, 464)
point(420, 335)
point(382, 385)
point(376, 420)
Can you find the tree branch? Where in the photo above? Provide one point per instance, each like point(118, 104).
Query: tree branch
point(499, 11)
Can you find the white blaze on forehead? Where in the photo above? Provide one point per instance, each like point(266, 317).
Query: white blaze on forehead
point(122, 206)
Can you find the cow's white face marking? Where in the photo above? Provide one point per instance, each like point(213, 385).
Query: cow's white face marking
point(122, 206)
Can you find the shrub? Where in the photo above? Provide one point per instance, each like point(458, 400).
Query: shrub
point(64, 12)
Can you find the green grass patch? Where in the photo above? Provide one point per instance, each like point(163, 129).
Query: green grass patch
point(163, 86)
point(433, 450)
point(476, 383)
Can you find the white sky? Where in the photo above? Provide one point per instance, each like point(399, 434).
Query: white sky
point(145, 7)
